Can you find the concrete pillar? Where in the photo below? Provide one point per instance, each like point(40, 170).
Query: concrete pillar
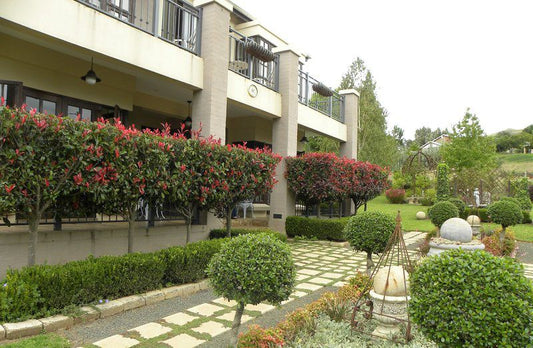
point(351, 120)
point(349, 148)
point(209, 104)
point(284, 138)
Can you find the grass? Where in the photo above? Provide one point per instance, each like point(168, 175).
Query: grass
point(523, 232)
point(44, 340)
point(517, 162)
point(407, 212)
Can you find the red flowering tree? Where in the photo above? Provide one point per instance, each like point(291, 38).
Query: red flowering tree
point(127, 166)
point(39, 156)
point(362, 181)
point(247, 173)
point(315, 177)
point(196, 175)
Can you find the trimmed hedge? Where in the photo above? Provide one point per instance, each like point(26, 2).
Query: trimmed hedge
point(47, 289)
point(323, 229)
point(222, 233)
point(484, 216)
point(441, 212)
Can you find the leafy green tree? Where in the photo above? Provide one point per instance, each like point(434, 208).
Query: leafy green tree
point(374, 144)
point(320, 143)
point(469, 146)
point(443, 183)
point(529, 129)
point(251, 269)
point(397, 134)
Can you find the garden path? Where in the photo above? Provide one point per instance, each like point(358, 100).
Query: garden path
point(319, 265)
point(196, 322)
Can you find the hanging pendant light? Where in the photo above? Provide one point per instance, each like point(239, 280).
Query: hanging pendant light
point(90, 78)
point(188, 120)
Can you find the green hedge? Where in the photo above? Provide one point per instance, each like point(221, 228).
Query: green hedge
point(323, 229)
point(47, 289)
point(484, 216)
point(221, 233)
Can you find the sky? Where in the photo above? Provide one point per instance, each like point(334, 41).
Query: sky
point(431, 59)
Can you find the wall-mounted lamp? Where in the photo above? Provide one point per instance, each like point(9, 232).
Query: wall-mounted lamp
point(188, 120)
point(90, 78)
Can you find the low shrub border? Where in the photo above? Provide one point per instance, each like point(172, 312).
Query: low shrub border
point(222, 233)
point(48, 289)
point(322, 229)
point(484, 216)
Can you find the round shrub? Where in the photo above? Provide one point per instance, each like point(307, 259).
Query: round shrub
point(441, 212)
point(369, 231)
point(395, 196)
point(505, 213)
point(472, 299)
point(511, 199)
point(461, 206)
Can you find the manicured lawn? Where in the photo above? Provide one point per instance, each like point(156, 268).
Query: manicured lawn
point(47, 340)
point(517, 162)
point(407, 212)
point(522, 232)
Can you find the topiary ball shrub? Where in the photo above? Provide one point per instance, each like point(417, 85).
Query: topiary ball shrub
point(461, 206)
point(395, 196)
point(472, 299)
point(441, 212)
point(505, 213)
point(369, 231)
point(251, 269)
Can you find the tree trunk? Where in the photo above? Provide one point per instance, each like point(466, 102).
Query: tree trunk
point(369, 263)
point(131, 228)
point(228, 222)
point(189, 223)
point(236, 324)
point(33, 221)
point(502, 234)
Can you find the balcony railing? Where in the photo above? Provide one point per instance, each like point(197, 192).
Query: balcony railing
point(241, 62)
point(332, 106)
point(175, 22)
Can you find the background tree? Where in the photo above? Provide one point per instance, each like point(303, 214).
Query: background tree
point(397, 134)
point(374, 144)
point(362, 181)
point(320, 143)
point(469, 146)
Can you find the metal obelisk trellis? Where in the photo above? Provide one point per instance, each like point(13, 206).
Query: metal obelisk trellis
point(395, 254)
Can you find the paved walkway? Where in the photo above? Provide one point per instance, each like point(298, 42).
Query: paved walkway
point(194, 323)
point(318, 264)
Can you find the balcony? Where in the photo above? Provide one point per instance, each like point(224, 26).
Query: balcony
point(260, 70)
point(174, 22)
point(315, 95)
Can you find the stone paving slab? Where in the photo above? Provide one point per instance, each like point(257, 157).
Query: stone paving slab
point(308, 272)
point(151, 330)
point(116, 341)
point(183, 341)
point(307, 286)
point(322, 281)
point(212, 328)
point(225, 302)
point(231, 315)
point(179, 318)
point(205, 309)
point(261, 307)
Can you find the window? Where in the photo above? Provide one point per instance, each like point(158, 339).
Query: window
point(11, 91)
point(42, 102)
point(263, 72)
point(180, 23)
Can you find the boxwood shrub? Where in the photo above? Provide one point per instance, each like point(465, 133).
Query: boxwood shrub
point(484, 216)
point(441, 212)
point(472, 299)
point(47, 289)
point(323, 229)
point(222, 233)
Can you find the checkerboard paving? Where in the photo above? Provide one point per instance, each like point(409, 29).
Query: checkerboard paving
point(318, 264)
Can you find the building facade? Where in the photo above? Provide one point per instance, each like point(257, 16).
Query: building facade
point(244, 82)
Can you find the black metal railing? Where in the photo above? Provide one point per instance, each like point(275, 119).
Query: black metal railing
point(177, 22)
point(332, 106)
point(262, 72)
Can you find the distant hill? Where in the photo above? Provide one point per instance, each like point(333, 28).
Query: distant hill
point(510, 131)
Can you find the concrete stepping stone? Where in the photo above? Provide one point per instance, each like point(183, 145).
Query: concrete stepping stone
point(261, 307)
point(183, 341)
point(151, 330)
point(179, 318)
point(332, 275)
point(328, 258)
point(312, 255)
point(225, 302)
point(301, 277)
point(340, 284)
point(319, 280)
point(211, 328)
point(205, 309)
point(307, 286)
point(308, 271)
point(299, 294)
point(116, 341)
point(231, 315)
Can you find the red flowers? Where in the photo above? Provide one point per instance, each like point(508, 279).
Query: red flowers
point(9, 188)
point(77, 179)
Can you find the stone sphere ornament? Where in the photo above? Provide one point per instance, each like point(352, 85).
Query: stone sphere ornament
point(473, 220)
point(421, 215)
point(456, 229)
point(396, 285)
